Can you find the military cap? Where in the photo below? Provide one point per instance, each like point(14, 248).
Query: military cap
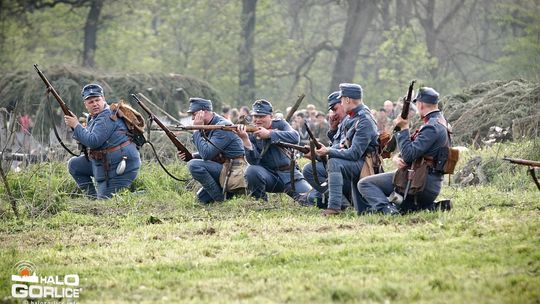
point(333, 99)
point(351, 90)
point(427, 95)
point(90, 90)
point(262, 107)
point(197, 104)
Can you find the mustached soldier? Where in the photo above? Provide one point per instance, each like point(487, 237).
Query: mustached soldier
point(114, 160)
point(270, 167)
point(423, 145)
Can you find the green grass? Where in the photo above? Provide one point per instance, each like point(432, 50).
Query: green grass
point(161, 246)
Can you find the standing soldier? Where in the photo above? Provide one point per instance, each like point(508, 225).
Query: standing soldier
point(346, 161)
point(215, 148)
point(270, 167)
point(423, 146)
point(113, 159)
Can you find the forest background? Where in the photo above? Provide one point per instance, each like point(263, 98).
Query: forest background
point(281, 48)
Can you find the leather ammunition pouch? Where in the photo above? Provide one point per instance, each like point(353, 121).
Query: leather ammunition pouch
point(372, 164)
point(231, 177)
point(418, 177)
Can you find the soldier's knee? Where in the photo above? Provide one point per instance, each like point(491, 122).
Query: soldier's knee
point(195, 165)
point(333, 165)
point(308, 169)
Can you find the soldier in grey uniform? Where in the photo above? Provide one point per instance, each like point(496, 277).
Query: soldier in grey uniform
point(114, 160)
point(425, 143)
point(346, 160)
point(270, 166)
point(339, 121)
point(214, 148)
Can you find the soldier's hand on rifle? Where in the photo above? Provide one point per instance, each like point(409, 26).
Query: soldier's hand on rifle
point(181, 155)
point(71, 120)
point(398, 161)
point(242, 133)
point(402, 123)
point(322, 151)
point(262, 133)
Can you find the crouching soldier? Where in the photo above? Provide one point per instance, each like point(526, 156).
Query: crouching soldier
point(217, 149)
point(113, 159)
point(270, 167)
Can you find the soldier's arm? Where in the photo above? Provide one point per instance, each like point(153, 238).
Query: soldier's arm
point(363, 135)
point(101, 132)
point(220, 139)
point(285, 133)
point(412, 150)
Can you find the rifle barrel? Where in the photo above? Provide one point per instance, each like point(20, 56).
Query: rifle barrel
point(51, 89)
point(524, 162)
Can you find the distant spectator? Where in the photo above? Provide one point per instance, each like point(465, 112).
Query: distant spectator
point(234, 115)
point(389, 109)
point(299, 120)
point(226, 112)
point(245, 116)
point(320, 128)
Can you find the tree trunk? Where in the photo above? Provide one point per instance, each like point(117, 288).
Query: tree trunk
point(245, 52)
point(359, 16)
point(90, 33)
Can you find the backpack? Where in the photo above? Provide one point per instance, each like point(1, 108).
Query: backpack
point(133, 119)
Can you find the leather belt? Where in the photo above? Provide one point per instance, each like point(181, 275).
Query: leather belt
point(98, 154)
point(284, 168)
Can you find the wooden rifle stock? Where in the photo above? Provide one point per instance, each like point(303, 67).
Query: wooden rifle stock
point(179, 146)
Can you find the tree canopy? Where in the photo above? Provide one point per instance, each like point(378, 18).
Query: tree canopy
point(290, 47)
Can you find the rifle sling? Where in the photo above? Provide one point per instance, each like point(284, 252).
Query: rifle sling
point(163, 166)
point(55, 130)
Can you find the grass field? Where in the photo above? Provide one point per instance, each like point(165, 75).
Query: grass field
point(161, 246)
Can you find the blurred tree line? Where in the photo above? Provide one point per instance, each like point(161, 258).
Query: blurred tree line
point(277, 49)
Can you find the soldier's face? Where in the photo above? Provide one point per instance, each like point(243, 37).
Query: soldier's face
point(94, 104)
point(264, 121)
point(338, 110)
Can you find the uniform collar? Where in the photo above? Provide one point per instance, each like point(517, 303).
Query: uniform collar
point(355, 111)
point(430, 115)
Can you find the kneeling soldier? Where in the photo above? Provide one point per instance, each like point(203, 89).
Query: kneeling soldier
point(423, 147)
point(114, 160)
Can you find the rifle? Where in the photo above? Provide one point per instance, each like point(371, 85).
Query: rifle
point(392, 144)
point(179, 146)
point(303, 149)
point(294, 108)
point(314, 143)
point(215, 127)
point(532, 164)
point(65, 109)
